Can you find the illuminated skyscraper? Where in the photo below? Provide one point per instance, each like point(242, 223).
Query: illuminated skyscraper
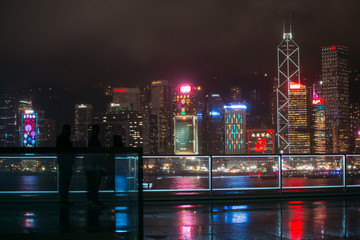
point(127, 124)
point(161, 109)
point(127, 97)
point(83, 120)
point(185, 135)
point(288, 72)
point(299, 132)
point(335, 77)
point(145, 106)
point(29, 129)
point(235, 129)
point(213, 120)
point(260, 141)
point(188, 102)
point(319, 139)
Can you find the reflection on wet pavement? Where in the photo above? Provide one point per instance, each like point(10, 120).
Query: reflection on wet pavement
point(328, 219)
point(247, 219)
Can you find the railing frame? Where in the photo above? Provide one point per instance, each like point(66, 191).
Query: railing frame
point(211, 158)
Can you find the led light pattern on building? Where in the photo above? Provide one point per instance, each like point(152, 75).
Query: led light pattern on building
point(260, 141)
point(29, 130)
point(188, 105)
point(235, 129)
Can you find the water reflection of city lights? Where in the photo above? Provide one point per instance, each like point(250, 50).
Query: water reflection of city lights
point(185, 206)
point(29, 223)
point(187, 222)
point(296, 202)
point(236, 217)
point(236, 207)
point(296, 223)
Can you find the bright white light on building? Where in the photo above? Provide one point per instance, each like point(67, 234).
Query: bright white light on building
point(235, 106)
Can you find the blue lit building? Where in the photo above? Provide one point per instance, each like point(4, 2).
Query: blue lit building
point(235, 129)
point(213, 130)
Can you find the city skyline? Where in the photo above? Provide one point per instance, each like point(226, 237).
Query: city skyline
point(74, 43)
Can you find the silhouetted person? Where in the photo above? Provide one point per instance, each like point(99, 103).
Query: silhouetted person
point(92, 164)
point(118, 143)
point(65, 163)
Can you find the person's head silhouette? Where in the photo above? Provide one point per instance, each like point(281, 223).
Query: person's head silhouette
point(117, 141)
point(95, 130)
point(66, 130)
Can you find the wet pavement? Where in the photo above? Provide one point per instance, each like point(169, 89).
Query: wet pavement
point(307, 218)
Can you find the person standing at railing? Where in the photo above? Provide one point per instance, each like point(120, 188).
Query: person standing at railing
point(92, 165)
point(65, 164)
point(110, 163)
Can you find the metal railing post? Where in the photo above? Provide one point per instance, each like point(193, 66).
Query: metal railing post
point(210, 175)
point(280, 172)
point(57, 176)
point(344, 171)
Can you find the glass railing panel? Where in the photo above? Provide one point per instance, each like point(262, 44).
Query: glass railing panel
point(33, 172)
point(353, 170)
point(312, 171)
point(176, 173)
point(128, 196)
point(102, 161)
point(245, 172)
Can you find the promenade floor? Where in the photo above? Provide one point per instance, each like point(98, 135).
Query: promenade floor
point(305, 218)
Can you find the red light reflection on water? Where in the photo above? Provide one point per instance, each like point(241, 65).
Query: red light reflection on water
point(296, 222)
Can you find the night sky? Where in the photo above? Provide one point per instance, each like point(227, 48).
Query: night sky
point(130, 43)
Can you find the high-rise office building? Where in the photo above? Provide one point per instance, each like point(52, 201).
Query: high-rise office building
point(236, 94)
point(127, 97)
point(83, 121)
point(299, 133)
point(161, 106)
point(354, 125)
point(29, 129)
point(235, 129)
point(213, 125)
point(185, 135)
point(8, 114)
point(319, 137)
point(127, 124)
point(335, 77)
point(188, 101)
point(357, 142)
point(260, 141)
point(24, 104)
point(145, 107)
point(288, 57)
point(46, 130)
